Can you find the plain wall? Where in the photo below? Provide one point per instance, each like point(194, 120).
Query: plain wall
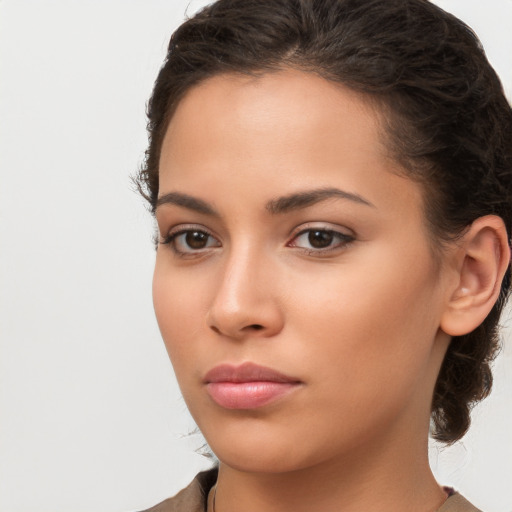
point(91, 418)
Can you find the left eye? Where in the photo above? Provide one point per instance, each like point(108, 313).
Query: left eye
point(320, 239)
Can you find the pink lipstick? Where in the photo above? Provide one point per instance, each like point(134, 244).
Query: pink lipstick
point(247, 386)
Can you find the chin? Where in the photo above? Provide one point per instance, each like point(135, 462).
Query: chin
point(260, 460)
point(265, 450)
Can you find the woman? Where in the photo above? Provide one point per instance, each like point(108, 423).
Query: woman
point(332, 184)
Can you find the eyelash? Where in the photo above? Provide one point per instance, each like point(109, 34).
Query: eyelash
point(343, 241)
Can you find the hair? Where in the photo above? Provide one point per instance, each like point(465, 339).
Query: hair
point(447, 122)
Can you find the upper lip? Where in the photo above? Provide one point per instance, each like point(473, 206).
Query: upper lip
point(246, 372)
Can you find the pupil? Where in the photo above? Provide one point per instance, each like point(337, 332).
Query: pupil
point(196, 239)
point(320, 239)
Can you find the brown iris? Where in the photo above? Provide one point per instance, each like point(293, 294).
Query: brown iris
point(320, 239)
point(196, 239)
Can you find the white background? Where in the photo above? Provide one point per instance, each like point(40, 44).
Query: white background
point(90, 415)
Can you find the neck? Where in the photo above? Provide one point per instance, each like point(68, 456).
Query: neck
point(397, 479)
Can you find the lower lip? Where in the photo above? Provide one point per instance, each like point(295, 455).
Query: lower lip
point(248, 395)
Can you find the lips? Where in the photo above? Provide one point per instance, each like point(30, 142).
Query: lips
point(247, 386)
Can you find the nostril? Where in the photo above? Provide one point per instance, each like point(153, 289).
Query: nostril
point(252, 327)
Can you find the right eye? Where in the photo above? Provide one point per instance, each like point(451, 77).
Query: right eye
point(190, 241)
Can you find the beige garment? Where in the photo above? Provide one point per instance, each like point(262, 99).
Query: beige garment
point(193, 498)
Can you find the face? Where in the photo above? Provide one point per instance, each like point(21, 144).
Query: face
point(294, 287)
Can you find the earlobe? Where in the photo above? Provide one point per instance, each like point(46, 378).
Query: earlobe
point(483, 260)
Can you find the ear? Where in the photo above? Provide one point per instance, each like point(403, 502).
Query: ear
point(482, 261)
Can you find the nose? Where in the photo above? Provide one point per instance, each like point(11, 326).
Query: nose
point(245, 303)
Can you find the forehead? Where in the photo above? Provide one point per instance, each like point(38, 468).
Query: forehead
point(288, 130)
point(277, 114)
point(253, 102)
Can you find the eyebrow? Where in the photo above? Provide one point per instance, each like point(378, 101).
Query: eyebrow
point(186, 201)
point(295, 201)
point(307, 198)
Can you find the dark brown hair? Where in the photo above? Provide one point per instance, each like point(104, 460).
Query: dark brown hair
point(447, 121)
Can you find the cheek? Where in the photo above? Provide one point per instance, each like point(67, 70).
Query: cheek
point(179, 314)
point(371, 321)
point(178, 311)
point(367, 348)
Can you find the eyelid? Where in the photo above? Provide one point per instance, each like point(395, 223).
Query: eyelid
point(179, 228)
point(321, 226)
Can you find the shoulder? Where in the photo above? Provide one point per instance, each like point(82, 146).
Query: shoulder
point(192, 498)
point(458, 503)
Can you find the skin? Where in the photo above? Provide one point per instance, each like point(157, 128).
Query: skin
point(358, 322)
